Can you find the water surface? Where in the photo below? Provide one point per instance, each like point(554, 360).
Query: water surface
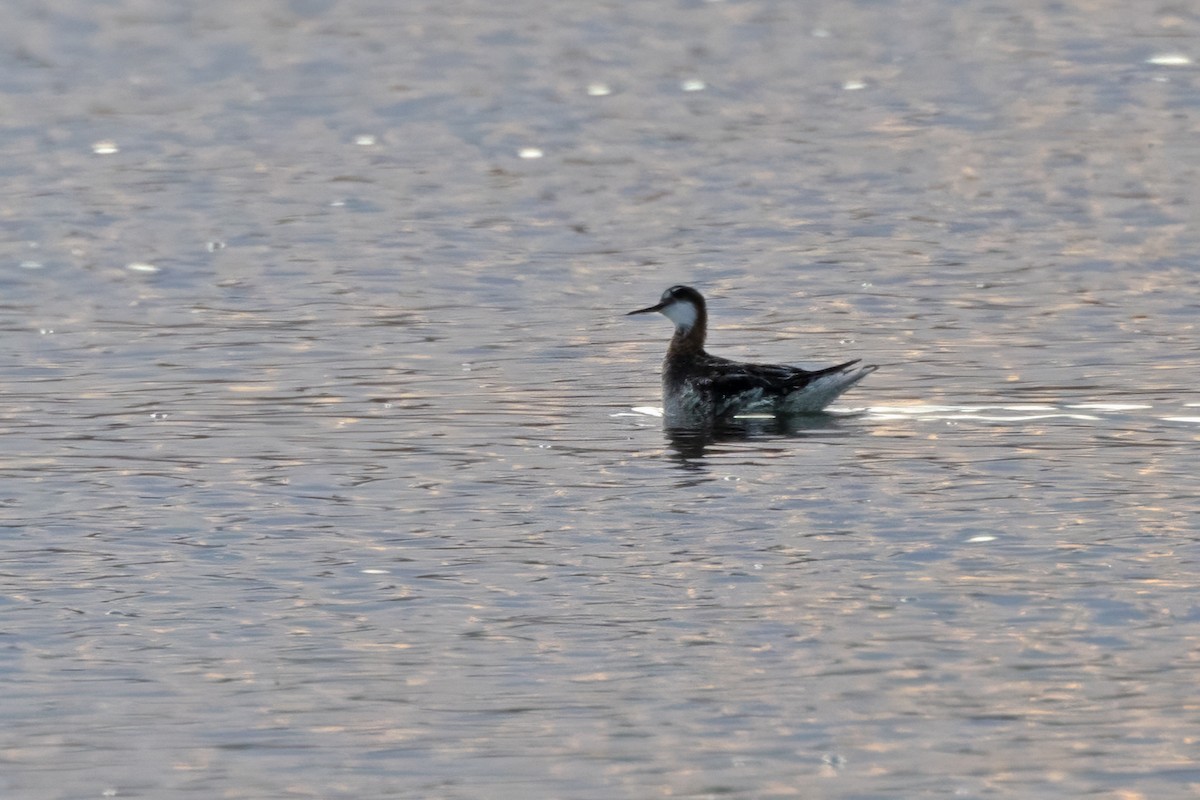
point(328, 469)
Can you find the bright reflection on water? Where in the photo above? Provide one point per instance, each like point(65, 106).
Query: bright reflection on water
point(327, 469)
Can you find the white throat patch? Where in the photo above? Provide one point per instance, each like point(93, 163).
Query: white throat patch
point(682, 313)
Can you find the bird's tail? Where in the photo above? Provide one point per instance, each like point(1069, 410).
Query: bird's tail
point(824, 386)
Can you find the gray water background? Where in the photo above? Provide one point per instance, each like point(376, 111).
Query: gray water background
point(328, 464)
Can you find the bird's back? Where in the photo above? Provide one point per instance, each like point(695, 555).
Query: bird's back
point(717, 387)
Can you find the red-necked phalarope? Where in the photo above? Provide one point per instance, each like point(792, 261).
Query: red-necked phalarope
point(701, 387)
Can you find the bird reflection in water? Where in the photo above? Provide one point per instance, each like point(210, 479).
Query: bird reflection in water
point(690, 445)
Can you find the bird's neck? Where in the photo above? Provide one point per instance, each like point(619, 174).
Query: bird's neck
point(689, 341)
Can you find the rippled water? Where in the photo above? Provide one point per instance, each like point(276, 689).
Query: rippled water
point(331, 467)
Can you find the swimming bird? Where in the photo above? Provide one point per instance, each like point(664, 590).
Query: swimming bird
point(703, 388)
